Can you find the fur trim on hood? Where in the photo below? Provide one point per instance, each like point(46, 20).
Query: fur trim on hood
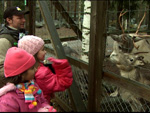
point(8, 87)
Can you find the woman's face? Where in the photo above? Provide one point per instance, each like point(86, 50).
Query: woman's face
point(41, 54)
point(29, 74)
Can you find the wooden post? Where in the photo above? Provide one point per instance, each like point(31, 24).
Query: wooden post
point(96, 57)
point(55, 14)
point(75, 9)
point(9, 3)
point(68, 6)
point(30, 20)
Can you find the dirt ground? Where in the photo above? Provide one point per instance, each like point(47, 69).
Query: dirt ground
point(62, 32)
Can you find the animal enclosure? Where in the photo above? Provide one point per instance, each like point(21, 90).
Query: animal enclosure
point(100, 79)
point(109, 103)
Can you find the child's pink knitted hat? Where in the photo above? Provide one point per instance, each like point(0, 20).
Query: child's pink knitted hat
point(32, 44)
point(17, 61)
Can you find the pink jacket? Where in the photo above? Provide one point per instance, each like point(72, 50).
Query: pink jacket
point(12, 100)
point(50, 82)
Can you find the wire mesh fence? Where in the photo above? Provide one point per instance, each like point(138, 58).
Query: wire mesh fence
point(124, 101)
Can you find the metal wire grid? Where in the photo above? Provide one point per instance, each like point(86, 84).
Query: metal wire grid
point(81, 80)
point(64, 96)
point(108, 104)
point(112, 104)
point(117, 103)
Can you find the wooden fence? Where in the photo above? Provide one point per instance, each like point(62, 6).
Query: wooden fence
point(96, 73)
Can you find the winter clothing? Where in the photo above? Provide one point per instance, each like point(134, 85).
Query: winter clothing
point(50, 82)
point(24, 97)
point(28, 89)
point(13, 100)
point(9, 12)
point(8, 87)
point(17, 61)
point(12, 34)
point(8, 38)
point(32, 44)
point(45, 78)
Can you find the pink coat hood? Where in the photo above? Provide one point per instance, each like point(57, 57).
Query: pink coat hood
point(8, 87)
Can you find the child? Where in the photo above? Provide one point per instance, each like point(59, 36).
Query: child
point(48, 81)
point(21, 93)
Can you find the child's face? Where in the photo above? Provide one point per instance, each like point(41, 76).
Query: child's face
point(29, 75)
point(41, 54)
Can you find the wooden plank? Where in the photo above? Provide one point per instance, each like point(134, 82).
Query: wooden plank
point(97, 45)
point(76, 99)
point(63, 39)
point(75, 9)
point(68, 19)
point(118, 32)
point(77, 62)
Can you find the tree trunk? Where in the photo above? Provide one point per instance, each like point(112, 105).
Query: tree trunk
point(79, 14)
point(86, 30)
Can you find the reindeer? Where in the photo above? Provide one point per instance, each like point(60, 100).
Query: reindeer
point(128, 64)
point(129, 52)
point(133, 43)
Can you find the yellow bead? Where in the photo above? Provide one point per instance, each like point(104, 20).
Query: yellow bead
point(34, 103)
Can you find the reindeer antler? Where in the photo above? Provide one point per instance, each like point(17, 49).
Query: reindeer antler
point(134, 44)
point(138, 29)
point(121, 14)
point(140, 24)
